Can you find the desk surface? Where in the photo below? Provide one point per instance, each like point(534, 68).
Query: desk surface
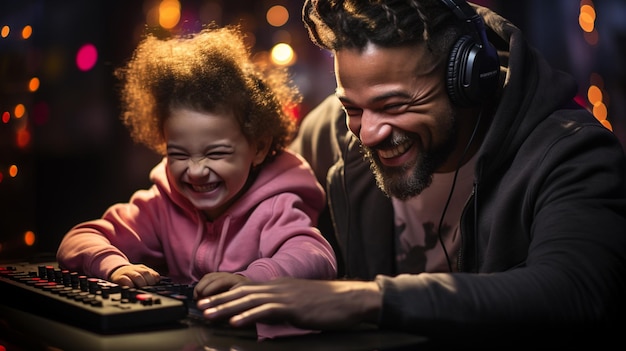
point(25, 331)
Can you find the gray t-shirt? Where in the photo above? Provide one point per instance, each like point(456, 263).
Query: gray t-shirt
point(417, 223)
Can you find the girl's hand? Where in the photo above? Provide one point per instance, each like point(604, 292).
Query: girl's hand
point(135, 275)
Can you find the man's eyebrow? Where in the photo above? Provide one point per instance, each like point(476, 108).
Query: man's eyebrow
point(385, 96)
point(343, 99)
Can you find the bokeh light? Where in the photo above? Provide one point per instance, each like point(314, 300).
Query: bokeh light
point(19, 110)
point(27, 31)
point(587, 22)
point(594, 94)
point(22, 138)
point(597, 99)
point(33, 84)
point(86, 57)
point(13, 171)
point(29, 238)
point(587, 18)
point(169, 13)
point(277, 15)
point(283, 55)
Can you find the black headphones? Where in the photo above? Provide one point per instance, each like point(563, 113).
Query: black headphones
point(473, 65)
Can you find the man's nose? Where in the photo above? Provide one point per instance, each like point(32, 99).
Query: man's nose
point(373, 129)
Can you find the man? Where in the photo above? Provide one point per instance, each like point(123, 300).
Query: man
point(506, 200)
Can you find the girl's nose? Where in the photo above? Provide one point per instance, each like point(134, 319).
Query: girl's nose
point(198, 168)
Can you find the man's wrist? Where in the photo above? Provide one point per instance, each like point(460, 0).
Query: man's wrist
point(373, 302)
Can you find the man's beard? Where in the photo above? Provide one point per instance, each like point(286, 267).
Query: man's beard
point(413, 177)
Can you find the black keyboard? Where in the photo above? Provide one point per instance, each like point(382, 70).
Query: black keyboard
point(92, 303)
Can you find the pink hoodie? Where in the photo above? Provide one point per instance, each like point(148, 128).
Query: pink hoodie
point(269, 232)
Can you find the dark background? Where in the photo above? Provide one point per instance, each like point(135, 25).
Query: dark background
point(80, 159)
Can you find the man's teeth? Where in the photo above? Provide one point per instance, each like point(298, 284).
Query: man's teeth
point(397, 150)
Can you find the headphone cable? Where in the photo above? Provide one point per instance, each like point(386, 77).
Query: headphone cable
point(456, 173)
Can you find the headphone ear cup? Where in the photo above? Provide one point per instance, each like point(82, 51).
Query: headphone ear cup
point(459, 75)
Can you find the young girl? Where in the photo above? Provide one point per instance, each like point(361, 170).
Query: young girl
point(229, 203)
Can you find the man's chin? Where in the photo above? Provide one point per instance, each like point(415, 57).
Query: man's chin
point(403, 184)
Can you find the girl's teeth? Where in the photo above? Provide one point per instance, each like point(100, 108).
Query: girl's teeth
point(204, 188)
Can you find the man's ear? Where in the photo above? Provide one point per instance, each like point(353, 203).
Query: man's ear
point(262, 148)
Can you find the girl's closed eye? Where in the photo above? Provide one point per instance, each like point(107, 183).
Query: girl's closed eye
point(218, 154)
point(177, 156)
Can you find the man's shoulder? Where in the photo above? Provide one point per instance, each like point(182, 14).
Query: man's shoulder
point(328, 115)
point(321, 135)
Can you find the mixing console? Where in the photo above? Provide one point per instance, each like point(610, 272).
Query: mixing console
point(91, 303)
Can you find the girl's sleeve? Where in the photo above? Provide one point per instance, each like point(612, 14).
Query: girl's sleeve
point(291, 245)
point(126, 233)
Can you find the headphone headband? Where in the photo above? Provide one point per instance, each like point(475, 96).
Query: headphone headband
point(466, 13)
point(462, 10)
point(473, 64)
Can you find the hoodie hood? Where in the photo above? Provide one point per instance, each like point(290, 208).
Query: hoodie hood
point(532, 90)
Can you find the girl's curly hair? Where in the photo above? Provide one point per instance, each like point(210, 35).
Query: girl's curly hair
point(208, 71)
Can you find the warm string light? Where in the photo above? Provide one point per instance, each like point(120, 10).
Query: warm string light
point(595, 95)
point(16, 120)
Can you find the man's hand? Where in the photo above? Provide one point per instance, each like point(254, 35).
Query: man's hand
point(216, 282)
point(135, 275)
point(310, 304)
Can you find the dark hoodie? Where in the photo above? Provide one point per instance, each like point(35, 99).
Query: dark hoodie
point(544, 236)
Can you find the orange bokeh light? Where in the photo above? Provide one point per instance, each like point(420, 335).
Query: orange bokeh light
point(23, 137)
point(13, 171)
point(29, 238)
point(27, 31)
